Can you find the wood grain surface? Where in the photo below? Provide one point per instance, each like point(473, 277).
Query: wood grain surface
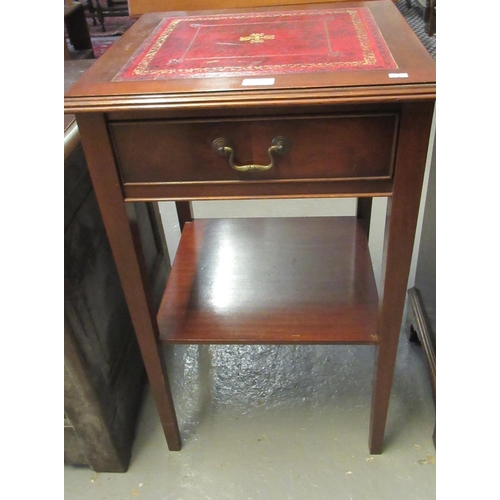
point(292, 280)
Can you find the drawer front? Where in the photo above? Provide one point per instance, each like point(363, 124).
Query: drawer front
point(323, 148)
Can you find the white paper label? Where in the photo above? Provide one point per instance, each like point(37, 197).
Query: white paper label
point(398, 75)
point(257, 81)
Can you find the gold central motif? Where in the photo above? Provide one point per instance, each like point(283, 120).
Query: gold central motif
point(256, 38)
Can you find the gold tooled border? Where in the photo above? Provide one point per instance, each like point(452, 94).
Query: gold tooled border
point(369, 57)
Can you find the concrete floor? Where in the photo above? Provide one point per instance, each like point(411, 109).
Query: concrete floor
point(278, 422)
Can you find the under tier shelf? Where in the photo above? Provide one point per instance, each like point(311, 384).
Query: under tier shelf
point(271, 281)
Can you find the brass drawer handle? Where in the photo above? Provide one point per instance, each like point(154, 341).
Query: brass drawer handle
point(279, 145)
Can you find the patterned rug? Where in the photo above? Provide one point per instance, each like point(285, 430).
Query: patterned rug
point(116, 26)
point(102, 44)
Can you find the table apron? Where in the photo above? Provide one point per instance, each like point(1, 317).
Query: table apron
point(257, 190)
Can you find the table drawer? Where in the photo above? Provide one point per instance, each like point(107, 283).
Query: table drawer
point(339, 148)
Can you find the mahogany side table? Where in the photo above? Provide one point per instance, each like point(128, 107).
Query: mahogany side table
point(327, 100)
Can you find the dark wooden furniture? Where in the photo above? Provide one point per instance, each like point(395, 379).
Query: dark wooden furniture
point(77, 29)
point(354, 133)
point(103, 371)
point(110, 8)
point(428, 12)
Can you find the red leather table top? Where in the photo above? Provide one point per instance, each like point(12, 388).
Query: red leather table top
point(259, 44)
